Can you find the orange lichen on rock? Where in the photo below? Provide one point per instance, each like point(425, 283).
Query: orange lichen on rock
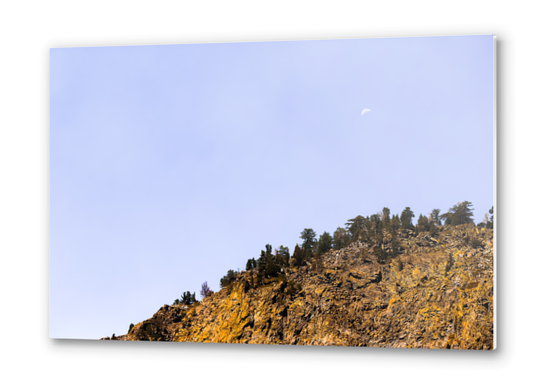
point(437, 294)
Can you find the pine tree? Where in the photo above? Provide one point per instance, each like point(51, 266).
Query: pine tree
point(267, 263)
point(395, 223)
point(262, 264)
point(186, 298)
point(385, 218)
point(341, 238)
point(446, 218)
point(435, 216)
point(297, 258)
point(229, 278)
point(406, 218)
point(251, 264)
point(460, 213)
point(309, 239)
point(423, 223)
point(355, 227)
point(283, 256)
point(325, 243)
point(272, 267)
point(374, 225)
point(463, 214)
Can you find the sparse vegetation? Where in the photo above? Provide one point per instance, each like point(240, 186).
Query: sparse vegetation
point(229, 278)
point(361, 270)
point(460, 213)
point(370, 230)
point(188, 298)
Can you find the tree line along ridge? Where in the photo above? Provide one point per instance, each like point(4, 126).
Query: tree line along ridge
point(372, 230)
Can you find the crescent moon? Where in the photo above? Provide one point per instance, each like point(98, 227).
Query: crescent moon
point(365, 111)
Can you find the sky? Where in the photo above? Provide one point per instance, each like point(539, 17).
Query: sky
point(171, 164)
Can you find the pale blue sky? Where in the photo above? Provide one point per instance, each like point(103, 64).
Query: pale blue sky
point(172, 164)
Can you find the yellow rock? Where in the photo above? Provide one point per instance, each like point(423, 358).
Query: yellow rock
point(433, 301)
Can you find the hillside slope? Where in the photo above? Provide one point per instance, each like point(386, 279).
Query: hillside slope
point(437, 294)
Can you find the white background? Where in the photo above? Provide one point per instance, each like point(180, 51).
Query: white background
point(28, 29)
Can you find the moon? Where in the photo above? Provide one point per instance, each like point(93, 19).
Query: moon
point(365, 111)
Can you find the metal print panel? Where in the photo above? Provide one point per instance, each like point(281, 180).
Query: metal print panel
point(325, 193)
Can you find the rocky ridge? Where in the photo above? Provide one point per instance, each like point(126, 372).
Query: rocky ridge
point(438, 293)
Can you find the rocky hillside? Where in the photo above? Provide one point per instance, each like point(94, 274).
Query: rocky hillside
point(438, 293)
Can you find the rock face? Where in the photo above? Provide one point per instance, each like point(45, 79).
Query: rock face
point(438, 293)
